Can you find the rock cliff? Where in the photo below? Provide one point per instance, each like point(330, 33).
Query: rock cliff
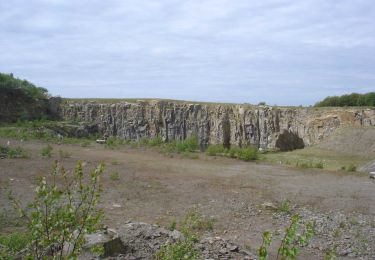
point(262, 126)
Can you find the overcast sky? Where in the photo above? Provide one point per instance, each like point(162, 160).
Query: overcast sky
point(279, 51)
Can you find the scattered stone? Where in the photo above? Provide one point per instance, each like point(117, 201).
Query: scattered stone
point(137, 240)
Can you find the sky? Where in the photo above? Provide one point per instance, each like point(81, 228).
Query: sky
point(284, 52)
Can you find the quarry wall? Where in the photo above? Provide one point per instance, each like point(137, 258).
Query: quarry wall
point(262, 126)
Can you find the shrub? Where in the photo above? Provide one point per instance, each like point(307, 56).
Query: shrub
point(248, 154)
point(47, 151)
point(62, 214)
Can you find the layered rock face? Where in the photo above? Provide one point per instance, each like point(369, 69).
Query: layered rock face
point(262, 126)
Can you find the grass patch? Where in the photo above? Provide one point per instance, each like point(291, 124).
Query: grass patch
point(38, 131)
point(245, 153)
point(215, 149)
point(314, 157)
point(13, 153)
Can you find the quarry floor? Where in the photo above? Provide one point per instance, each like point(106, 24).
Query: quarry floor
point(156, 188)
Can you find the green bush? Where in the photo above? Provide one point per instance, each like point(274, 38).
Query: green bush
point(248, 154)
point(284, 207)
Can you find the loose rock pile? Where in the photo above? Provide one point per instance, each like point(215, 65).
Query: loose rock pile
point(137, 240)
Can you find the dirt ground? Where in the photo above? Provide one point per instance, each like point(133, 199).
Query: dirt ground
point(157, 188)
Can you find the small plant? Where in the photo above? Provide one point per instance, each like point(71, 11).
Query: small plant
point(294, 238)
point(115, 176)
point(62, 214)
point(195, 221)
point(289, 247)
point(47, 151)
point(64, 154)
point(263, 249)
point(284, 207)
point(173, 225)
point(190, 227)
point(183, 249)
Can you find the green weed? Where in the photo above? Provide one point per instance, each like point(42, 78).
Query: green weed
point(47, 151)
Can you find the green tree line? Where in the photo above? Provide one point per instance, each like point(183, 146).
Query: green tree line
point(21, 100)
point(354, 99)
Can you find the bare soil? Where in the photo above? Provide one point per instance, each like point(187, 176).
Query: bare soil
point(157, 188)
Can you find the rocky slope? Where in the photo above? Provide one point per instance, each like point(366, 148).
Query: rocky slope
point(261, 126)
